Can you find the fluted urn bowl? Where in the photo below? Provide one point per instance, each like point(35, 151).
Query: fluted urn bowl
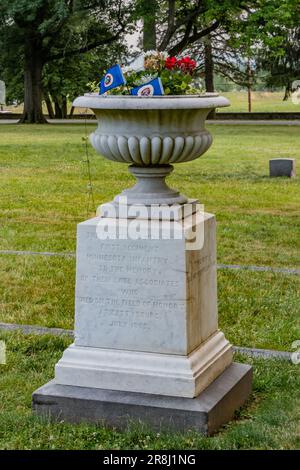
point(150, 134)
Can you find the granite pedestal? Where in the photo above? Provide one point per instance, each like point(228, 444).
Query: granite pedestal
point(211, 409)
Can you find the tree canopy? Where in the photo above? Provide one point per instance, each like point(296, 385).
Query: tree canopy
point(50, 49)
point(38, 32)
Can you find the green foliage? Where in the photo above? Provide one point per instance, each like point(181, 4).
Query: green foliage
point(44, 195)
point(71, 77)
point(55, 36)
point(174, 82)
point(177, 83)
point(280, 57)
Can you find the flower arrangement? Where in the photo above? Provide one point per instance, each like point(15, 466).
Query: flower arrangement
point(178, 75)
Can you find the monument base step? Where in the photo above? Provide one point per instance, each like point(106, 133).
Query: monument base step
point(145, 372)
point(214, 407)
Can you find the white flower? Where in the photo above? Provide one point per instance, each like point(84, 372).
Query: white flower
point(138, 64)
point(145, 79)
point(127, 69)
point(163, 54)
point(149, 53)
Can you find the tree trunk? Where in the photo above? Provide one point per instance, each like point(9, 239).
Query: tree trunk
point(57, 108)
point(249, 86)
point(149, 30)
point(287, 92)
point(209, 65)
point(49, 105)
point(64, 107)
point(209, 71)
point(60, 106)
point(33, 93)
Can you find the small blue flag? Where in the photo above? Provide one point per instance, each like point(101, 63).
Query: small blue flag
point(154, 87)
point(113, 78)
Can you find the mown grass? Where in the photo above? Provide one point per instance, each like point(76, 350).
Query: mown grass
point(43, 190)
point(256, 309)
point(262, 101)
point(270, 420)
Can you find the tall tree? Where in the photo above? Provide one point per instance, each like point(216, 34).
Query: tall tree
point(186, 23)
point(270, 33)
point(283, 68)
point(149, 9)
point(64, 79)
point(208, 64)
point(194, 25)
point(41, 31)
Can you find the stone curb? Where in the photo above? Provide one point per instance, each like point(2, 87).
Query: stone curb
point(43, 330)
point(259, 268)
point(263, 353)
point(37, 253)
point(37, 330)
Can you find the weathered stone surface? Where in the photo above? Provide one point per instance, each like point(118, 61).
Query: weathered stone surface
point(151, 133)
point(161, 374)
point(283, 167)
point(153, 212)
point(146, 311)
point(206, 413)
point(145, 295)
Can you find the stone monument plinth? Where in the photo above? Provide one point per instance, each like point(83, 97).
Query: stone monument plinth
point(147, 344)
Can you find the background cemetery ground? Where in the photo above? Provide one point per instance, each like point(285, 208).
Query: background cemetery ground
point(262, 101)
point(44, 195)
point(43, 191)
point(269, 421)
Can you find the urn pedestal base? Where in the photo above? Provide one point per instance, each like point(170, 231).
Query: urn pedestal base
point(151, 187)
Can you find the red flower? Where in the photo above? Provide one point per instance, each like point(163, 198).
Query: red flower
point(186, 64)
point(171, 62)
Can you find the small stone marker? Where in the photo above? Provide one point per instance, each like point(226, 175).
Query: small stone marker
point(283, 167)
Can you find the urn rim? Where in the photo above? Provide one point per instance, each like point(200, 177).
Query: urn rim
point(165, 102)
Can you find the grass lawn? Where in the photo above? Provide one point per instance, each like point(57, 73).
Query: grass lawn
point(255, 309)
point(271, 419)
point(43, 191)
point(262, 102)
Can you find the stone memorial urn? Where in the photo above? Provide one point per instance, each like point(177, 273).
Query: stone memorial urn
point(147, 343)
point(151, 134)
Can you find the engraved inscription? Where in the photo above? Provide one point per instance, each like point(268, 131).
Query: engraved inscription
point(126, 288)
